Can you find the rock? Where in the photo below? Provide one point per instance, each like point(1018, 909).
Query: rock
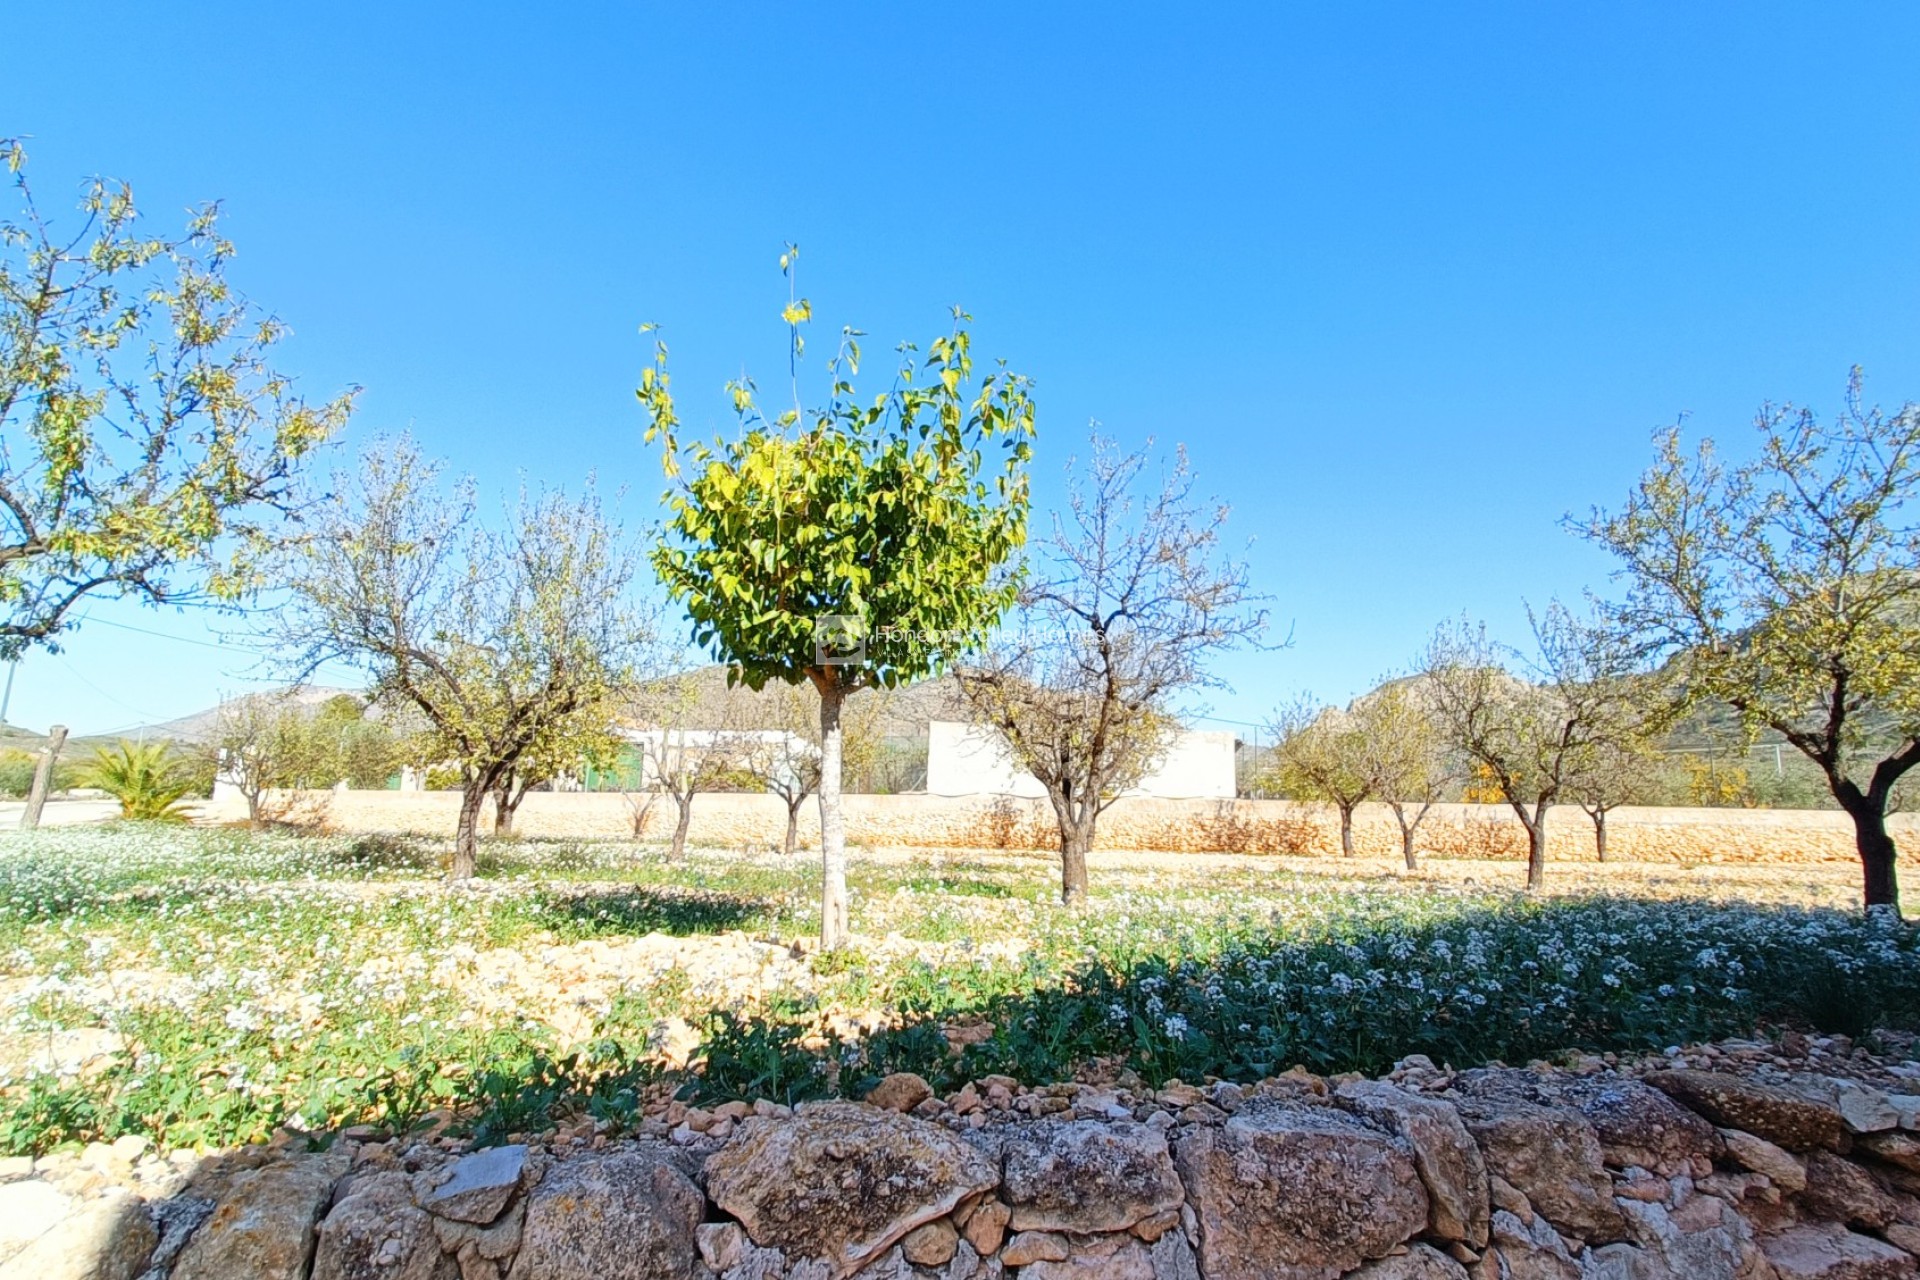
point(1781, 1116)
point(1086, 1176)
point(1297, 1191)
point(1128, 1262)
point(1841, 1191)
point(631, 1214)
point(1895, 1147)
point(721, 1244)
point(14, 1168)
point(1172, 1258)
point(263, 1227)
point(110, 1238)
point(1638, 1125)
point(987, 1227)
point(1863, 1108)
point(495, 1242)
point(377, 1233)
point(480, 1187)
point(1530, 1252)
point(1552, 1156)
point(1704, 1240)
point(930, 1244)
point(29, 1209)
point(901, 1091)
point(1154, 1226)
point(1827, 1251)
point(176, 1220)
point(1034, 1246)
point(1421, 1262)
point(1444, 1152)
point(1787, 1170)
point(842, 1181)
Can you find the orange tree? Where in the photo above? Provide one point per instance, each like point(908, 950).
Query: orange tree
point(858, 543)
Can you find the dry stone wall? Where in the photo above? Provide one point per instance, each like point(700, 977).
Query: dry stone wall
point(738, 821)
point(1685, 1170)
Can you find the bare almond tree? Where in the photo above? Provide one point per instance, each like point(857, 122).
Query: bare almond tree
point(1329, 755)
point(689, 745)
point(1534, 721)
point(1128, 595)
point(1415, 767)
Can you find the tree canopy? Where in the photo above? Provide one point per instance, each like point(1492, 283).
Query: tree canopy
point(148, 444)
point(857, 542)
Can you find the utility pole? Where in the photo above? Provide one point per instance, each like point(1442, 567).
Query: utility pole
point(43, 777)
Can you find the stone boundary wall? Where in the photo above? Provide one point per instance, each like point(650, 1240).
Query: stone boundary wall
point(730, 820)
point(1490, 1174)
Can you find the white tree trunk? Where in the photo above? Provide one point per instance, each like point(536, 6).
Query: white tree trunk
point(833, 831)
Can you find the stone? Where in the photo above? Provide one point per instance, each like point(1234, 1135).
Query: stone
point(1154, 1226)
point(1895, 1147)
point(1552, 1156)
point(1034, 1246)
point(109, 1238)
point(13, 1168)
point(1444, 1152)
point(1828, 1251)
point(1781, 1116)
point(377, 1233)
point(1638, 1125)
point(263, 1228)
point(721, 1244)
point(1841, 1191)
point(1172, 1258)
point(1129, 1262)
point(1297, 1191)
point(1530, 1252)
point(987, 1227)
point(1421, 1262)
point(1863, 1108)
point(480, 1186)
point(842, 1181)
point(29, 1209)
point(1086, 1176)
point(930, 1244)
point(1786, 1170)
point(176, 1220)
point(495, 1242)
point(901, 1091)
point(1707, 1242)
point(631, 1214)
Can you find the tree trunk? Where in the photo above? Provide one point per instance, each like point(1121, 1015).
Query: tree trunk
point(466, 835)
point(43, 778)
point(1408, 830)
point(1076, 841)
point(678, 849)
point(504, 805)
point(1346, 831)
point(253, 810)
point(793, 825)
point(1536, 852)
point(1880, 881)
point(1600, 834)
point(833, 831)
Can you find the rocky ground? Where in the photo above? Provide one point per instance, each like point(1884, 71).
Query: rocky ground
point(1743, 1160)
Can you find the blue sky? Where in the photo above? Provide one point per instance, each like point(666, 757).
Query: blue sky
point(1410, 281)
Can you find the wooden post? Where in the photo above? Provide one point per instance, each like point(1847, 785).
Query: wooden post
point(43, 777)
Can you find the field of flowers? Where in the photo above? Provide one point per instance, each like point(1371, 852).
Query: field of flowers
point(207, 986)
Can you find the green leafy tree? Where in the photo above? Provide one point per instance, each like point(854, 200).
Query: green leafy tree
point(147, 778)
point(147, 444)
point(1415, 768)
point(1329, 755)
point(1789, 589)
point(496, 638)
point(852, 544)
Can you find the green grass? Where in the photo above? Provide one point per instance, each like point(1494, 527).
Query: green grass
point(244, 981)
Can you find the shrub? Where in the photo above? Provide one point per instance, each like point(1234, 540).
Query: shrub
point(147, 778)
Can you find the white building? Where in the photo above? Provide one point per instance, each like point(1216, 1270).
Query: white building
point(967, 760)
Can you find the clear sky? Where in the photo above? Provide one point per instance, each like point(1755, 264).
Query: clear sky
point(1410, 281)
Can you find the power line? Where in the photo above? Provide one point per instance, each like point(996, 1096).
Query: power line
point(162, 635)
